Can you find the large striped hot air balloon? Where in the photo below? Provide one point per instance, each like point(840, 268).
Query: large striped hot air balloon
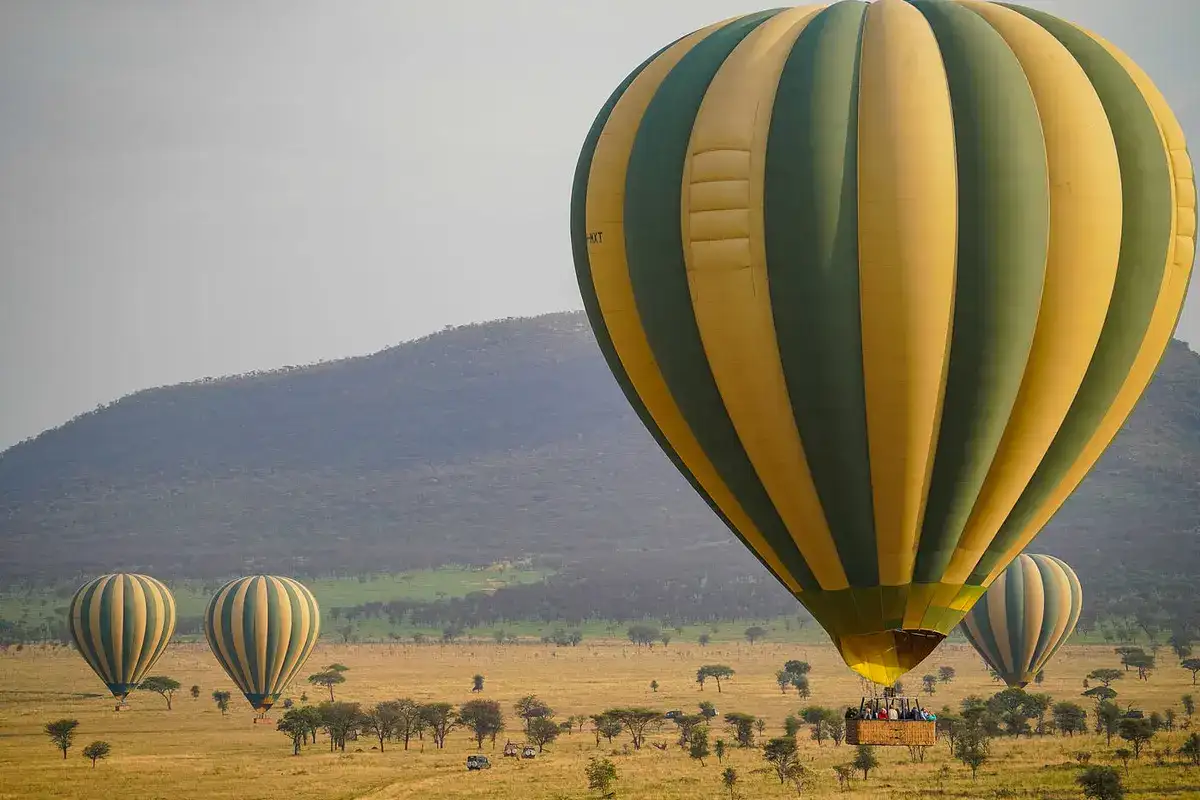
point(121, 624)
point(262, 629)
point(1025, 616)
point(884, 280)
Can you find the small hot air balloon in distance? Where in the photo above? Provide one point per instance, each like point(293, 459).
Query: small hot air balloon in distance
point(121, 624)
point(1025, 617)
point(883, 280)
point(262, 628)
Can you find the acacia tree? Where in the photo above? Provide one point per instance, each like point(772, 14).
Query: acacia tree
point(973, 748)
point(1192, 665)
point(195, 691)
point(96, 751)
point(293, 725)
point(698, 745)
point(62, 734)
point(715, 671)
point(754, 633)
point(601, 774)
point(485, 719)
point(1106, 676)
point(161, 685)
point(1138, 732)
point(222, 700)
point(542, 731)
point(531, 707)
point(381, 721)
point(477, 683)
point(637, 721)
point(742, 727)
point(930, 682)
point(945, 674)
point(409, 720)
point(328, 678)
point(781, 754)
point(440, 719)
point(865, 760)
point(606, 725)
point(642, 634)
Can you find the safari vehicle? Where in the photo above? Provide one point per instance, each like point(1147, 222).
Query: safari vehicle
point(478, 762)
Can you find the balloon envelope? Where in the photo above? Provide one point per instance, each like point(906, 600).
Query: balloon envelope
point(262, 628)
point(883, 281)
point(1025, 616)
point(121, 623)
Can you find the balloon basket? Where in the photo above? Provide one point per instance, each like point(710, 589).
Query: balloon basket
point(122, 706)
point(891, 732)
point(263, 721)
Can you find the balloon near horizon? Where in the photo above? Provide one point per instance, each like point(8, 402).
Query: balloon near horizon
point(1025, 617)
point(261, 629)
point(121, 624)
point(883, 281)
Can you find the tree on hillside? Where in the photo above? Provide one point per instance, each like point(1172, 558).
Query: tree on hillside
point(485, 719)
point(381, 721)
point(797, 667)
point(719, 750)
point(160, 685)
point(755, 633)
point(704, 639)
point(715, 671)
point(542, 731)
point(97, 750)
point(800, 682)
point(637, 721)
point(62, 734)
point(195, 691)
point(327, 678)
point(1192, 665)
point(221, 698)
point(440, 719)
point(946, 674)
point(707, 710)
point(784, 679)
point(930, 682)
point(1126, 652)
point(477, 683)
point(654, 686)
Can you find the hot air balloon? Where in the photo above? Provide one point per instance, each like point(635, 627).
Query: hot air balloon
point(262, 629)
point(121, 624)
point(1024, 617)
point(884, 280)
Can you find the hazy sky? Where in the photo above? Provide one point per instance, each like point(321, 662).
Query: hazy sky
point(205, 188)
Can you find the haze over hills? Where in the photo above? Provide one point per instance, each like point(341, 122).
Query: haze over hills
point(473, 445)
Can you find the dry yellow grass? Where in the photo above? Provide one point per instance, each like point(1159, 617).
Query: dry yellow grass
point(193, 752)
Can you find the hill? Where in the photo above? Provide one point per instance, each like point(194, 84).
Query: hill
point(473, 445)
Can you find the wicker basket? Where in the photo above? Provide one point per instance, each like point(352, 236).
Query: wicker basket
point(890, 732)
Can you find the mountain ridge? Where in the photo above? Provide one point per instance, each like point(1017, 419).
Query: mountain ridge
point(470, 445)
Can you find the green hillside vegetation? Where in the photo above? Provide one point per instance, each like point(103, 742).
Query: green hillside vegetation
point(497, 442)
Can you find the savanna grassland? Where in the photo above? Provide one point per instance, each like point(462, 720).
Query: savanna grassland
point(192, 751)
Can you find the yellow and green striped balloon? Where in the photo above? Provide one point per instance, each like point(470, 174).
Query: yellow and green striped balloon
point(121, 624)
point(262, 629)
point(1025, 616)
point(884, 280)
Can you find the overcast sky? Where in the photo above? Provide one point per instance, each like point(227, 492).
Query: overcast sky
point(204, 188)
